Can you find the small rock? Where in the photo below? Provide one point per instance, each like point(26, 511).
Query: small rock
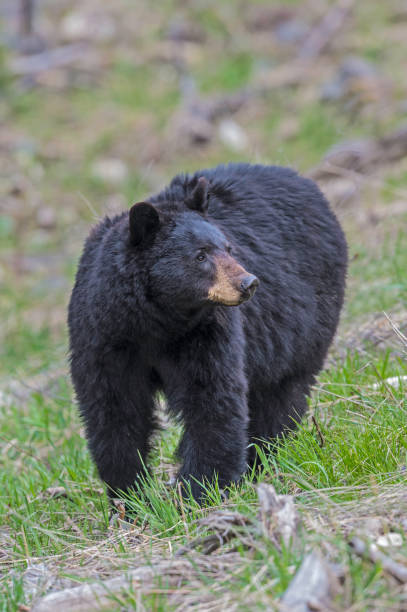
point(46, 217)
point(373, 526)
point(36, 578)
point(74, 27)
point(390, 539)
point(180, 30)
point(79, 25)
point(393, 381)
point(6, 400)
point(232, 135)
point(110, 170)
point(291, 32)
point(265, 17)
point(358, 78)
point(54, 492)
point(171, 482)
point(354, 66)
point(190, 128)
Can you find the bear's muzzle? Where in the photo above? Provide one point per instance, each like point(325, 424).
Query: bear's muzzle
point(233, 284)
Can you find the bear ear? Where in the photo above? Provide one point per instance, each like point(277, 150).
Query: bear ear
point(143, 222)
point(199, 198)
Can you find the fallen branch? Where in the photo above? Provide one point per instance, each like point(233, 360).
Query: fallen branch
point(226, 527)
point(26, 17)
point(46, 60)
point(321, 35)
point(277, 520)
point(277, 514)
point(362, 156)
point(312, 587)
point(373, 554)
point(99, 595)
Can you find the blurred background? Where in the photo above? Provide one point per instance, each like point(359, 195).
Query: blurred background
point(101, 103)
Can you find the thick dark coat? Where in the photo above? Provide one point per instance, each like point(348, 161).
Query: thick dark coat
point(148, 314)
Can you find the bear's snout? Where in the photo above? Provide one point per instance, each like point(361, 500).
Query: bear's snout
point(233, 285)
point(249, 285)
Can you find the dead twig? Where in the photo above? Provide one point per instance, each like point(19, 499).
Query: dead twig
point(224, 524)
point(396, 330)
point(277, 520)
point(277, 515)
point(319, 432)
point(373, 554)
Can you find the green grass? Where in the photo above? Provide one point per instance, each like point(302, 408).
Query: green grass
point(379, 281)
point(228, 74)
point(364, 447)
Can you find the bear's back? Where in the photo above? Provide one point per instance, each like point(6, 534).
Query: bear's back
point(263, 192)
point(272, 208)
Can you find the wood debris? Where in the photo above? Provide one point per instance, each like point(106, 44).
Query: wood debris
point(312, 588)
point(362, 156)
point(54, 492)
point(278, 515)
point(277, 520)
point(101, 595)
point(47, 59)
point(321, 36)
point(373, 554)
point(225, 526)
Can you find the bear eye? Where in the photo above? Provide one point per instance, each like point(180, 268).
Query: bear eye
point(228, 249)
point(201, 257)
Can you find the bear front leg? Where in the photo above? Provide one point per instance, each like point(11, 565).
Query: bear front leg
point(214, 409)
point(119, 448)
point(213, 446)
point(116, 404)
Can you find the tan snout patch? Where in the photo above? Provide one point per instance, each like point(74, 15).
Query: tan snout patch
point(226, 288)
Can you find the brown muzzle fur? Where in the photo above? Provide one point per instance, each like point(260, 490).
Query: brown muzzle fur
point(233, 284)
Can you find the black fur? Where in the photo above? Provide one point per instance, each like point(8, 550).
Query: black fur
point(140, 320)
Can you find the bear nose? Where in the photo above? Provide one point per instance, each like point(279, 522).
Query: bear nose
point(249, 284)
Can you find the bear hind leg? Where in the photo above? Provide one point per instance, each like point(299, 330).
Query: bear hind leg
point(274, 410)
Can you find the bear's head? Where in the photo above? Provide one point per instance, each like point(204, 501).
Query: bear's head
point(189, 260)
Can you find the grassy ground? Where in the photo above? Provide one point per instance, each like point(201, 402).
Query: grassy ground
point(346, 467)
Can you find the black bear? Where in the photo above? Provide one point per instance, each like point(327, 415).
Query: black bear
point(162, 303)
